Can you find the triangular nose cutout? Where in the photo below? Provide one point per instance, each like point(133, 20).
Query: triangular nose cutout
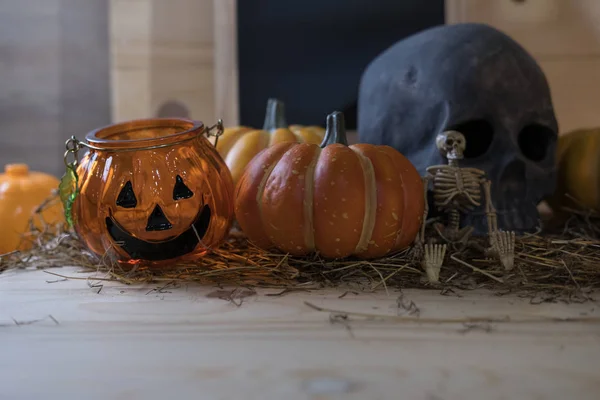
point(158, 221)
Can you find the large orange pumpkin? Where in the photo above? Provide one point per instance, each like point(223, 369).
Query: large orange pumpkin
point(334, 199)
point(152, 191)
point(238, 145)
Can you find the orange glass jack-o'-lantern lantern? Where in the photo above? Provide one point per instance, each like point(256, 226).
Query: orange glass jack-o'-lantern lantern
point(149, 191)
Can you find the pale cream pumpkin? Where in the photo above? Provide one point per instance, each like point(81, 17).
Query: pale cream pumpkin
point(238, 145)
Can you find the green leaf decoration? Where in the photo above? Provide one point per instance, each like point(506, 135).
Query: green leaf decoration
point(68, 190)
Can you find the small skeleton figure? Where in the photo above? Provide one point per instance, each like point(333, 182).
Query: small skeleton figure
point(459, 190)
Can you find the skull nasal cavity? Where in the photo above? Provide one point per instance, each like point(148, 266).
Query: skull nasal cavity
point(478, 135)
point(534, 141)
point(158, 220)
point(513, 183)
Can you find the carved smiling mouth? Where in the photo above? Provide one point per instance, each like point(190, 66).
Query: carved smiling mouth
point(161, 250)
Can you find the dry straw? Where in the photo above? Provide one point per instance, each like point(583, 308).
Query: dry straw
point(558, 264)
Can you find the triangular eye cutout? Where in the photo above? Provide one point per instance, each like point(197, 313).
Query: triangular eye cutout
point(181, 191)
point(126, 197)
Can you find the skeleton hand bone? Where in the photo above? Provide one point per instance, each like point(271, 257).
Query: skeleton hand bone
point(433, 260)
point(503, 245)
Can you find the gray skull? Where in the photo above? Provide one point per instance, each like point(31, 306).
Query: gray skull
point(473, 79)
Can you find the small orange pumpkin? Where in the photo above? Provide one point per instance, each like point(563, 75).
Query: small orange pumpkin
point(335, 199)
point(152, 191)
point(22, 192)
point(238, 145)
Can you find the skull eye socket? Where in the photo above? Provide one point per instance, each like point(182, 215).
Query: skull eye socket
point(534, 141)
point(181, 191)
point(478, 135)
point(126, 198)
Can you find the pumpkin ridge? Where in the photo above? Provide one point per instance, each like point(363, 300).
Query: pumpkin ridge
point(299, 137)
point(406, 194)
point(300, 134)
point(261, 189)
point(229, 138)
point(390, 201)
point(370, 201)
point(244, 150)
point(309, 190)
point(414, 206)
point(281, 135)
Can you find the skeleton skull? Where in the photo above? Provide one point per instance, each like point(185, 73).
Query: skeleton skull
point(475, 80)
point(451, 144)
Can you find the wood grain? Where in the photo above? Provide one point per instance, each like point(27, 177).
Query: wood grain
point(121, 342)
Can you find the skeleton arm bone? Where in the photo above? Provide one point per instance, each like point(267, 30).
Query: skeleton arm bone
point(502, 243)
point(425, 179)
point(490, 211)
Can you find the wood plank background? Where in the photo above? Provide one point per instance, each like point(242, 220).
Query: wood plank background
point(68, 66)
point(563, 36)
point(54, 77)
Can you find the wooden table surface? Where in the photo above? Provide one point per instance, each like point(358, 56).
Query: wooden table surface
point(75, 339)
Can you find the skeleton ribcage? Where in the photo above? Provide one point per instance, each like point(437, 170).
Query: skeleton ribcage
point(455, 188)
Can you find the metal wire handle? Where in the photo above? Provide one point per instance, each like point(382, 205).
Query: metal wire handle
point(73, 145)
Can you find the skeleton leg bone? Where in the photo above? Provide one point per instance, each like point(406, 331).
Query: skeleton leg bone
point(441, 231)
point(490, 211)
point(453, 233)
point(463, 235)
